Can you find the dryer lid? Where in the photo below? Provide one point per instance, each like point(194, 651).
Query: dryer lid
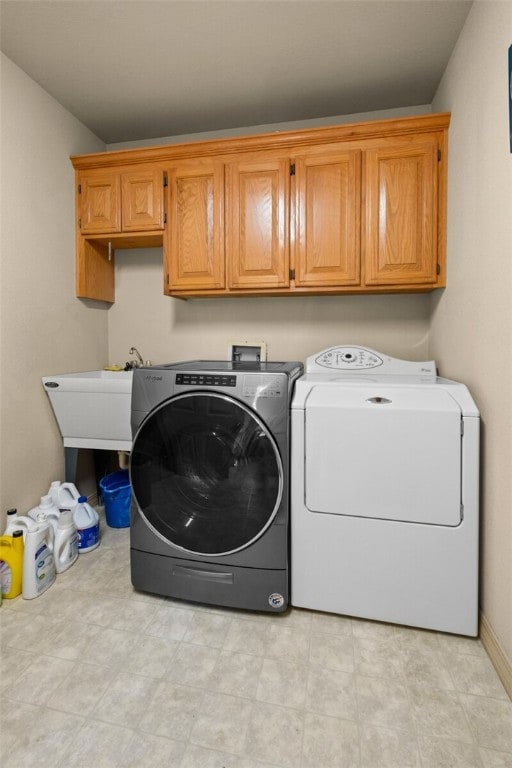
point(384, 452)
point(365, 396)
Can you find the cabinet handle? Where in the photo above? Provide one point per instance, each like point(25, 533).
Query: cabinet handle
point(110, 250)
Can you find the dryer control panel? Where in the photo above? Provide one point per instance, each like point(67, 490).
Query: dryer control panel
point(353, 358)
point(344, 358)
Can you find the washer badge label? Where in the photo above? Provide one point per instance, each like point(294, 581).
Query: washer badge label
point(276, 600)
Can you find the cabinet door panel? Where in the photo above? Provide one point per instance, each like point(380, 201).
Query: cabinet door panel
point(328, 219)
point(142, 196)
point(401, 214)
point(257, 205)
point(195, 234)
point(100, 197)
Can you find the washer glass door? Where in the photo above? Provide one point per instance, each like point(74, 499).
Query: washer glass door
point(206, 473)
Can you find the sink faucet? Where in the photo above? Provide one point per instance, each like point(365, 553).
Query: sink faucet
point(139, 362)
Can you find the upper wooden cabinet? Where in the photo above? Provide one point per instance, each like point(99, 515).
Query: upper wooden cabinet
point(116, 207)
point(257, 223)
point(194, 240)
point(126, 201)
point(327, 223)
point(99, 201)
point(400, 226)
point(142, 200)
point(356, 208)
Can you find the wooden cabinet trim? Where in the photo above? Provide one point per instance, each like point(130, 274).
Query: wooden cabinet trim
point(300, 291)
point(282, 140)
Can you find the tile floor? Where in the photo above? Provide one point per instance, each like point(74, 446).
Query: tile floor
point(95, 674)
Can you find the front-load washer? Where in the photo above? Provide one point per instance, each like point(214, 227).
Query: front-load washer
point(384, 491)
point(209, 470)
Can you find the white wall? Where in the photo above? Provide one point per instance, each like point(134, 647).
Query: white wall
point(44, 328)
point(166, 329)
point(471, 327)
point(314, 122)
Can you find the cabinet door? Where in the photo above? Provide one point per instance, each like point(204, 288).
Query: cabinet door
point(142, 200)
point(194, 238)
point(400, 240)
point(99, 196)
point(328, 204)
point(257, 223)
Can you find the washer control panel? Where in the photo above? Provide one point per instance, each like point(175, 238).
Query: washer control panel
point(248, 385)
point(205, 379)
point(264, 386)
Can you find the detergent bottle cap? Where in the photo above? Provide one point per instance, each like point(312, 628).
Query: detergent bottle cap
point(82, 499)
point(15, 534)
point(12, 511)
point(46, 501)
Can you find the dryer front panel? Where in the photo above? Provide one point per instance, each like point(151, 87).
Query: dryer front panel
point(206, 473)
point(382, 452)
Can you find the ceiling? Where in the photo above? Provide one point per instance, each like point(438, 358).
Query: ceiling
point(140, 69)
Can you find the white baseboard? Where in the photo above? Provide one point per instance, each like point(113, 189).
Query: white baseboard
point(496, 654)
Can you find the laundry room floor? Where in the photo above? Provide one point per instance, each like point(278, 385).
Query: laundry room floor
point(96, 674)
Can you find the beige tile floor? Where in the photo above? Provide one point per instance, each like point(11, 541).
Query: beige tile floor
point(96, 674)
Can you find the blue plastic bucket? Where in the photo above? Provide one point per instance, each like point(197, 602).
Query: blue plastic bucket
point(116, 492)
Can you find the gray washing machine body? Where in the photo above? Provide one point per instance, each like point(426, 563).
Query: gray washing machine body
point(210, 477)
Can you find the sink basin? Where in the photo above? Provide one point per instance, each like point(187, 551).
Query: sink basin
point(92, 408)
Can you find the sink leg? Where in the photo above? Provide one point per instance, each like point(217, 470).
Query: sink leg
point(70, 462)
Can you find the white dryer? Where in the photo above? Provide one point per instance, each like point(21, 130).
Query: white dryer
point(384, 491)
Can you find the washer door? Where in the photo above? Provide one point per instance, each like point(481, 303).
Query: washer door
point(206, 473)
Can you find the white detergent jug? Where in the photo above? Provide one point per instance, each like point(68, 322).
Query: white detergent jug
point(87, 522)
point(17, 522)
point(64, 495)
point(65, 545)
point(38, 562)
point(49, 509)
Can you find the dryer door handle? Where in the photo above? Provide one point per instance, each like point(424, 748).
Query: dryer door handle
point(222, 577)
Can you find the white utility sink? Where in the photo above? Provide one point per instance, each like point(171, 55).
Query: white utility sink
point(92, 408)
